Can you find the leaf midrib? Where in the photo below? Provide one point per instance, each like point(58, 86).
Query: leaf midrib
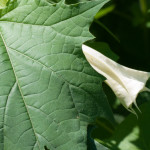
point(6, 108)
point(20, 90)
point(20, 86)
point(69, 84)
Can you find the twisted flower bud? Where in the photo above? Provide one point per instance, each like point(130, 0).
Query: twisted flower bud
point(126, 83)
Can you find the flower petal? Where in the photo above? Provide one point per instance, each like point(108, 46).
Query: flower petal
point(126, 83)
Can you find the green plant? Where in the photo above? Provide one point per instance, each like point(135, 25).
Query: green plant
point(50, 96)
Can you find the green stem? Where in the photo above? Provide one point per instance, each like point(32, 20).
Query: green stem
point(105, 28)
point(104, 126)
point(104, 11)
point(143, 5)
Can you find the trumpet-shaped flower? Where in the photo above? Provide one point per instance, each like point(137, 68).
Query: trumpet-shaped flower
point(126, 83)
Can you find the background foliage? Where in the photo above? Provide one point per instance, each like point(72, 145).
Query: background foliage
point(124, 25)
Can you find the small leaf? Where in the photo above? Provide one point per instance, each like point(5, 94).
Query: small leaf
point(132, 133)
point(3, 3)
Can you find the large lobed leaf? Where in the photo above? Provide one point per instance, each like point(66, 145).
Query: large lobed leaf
point(48, 92)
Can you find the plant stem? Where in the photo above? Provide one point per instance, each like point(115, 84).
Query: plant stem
point(104, 126)
point(143, 5)
point(104, 11)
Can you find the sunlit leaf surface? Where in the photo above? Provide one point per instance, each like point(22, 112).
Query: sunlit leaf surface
point(48, 92)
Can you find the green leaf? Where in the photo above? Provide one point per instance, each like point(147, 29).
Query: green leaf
point(68, 1)
point(53, 1)
point(3, 3)
point(49, 94)
point(105, 11)
point(133, 133)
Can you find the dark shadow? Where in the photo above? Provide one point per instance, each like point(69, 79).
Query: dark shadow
point(45, 147)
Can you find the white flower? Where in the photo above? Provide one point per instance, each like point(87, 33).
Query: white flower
point(126, 83)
